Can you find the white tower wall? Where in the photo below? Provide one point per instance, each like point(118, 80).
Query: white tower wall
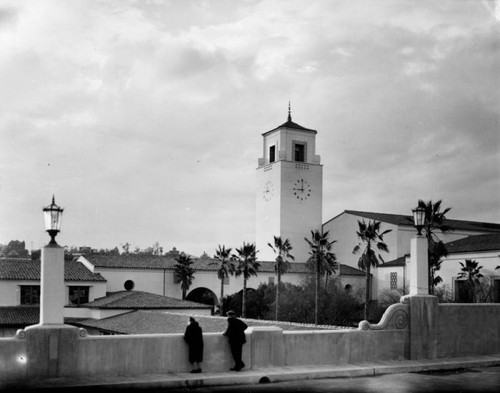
point(289, 192)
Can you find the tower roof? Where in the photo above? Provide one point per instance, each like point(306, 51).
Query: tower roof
point(290, 124)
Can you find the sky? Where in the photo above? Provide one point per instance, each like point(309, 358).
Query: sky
point(145, 118)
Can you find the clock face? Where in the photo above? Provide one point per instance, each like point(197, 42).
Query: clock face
point(301, 189)
point(268, 191)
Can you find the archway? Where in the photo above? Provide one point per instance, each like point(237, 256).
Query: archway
point(203, 295)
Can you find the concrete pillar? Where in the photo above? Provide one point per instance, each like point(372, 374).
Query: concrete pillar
point(423, 326)
point(419, 266)
point(52, 350)
point(268, 346)
point(53, 294)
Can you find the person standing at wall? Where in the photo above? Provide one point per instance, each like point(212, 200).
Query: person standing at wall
point(194, 338)
point(235, 333)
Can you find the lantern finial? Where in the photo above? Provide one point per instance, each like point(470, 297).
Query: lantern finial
point(419, 218)
point(53, 217)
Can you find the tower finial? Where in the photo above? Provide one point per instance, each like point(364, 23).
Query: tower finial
point(289, 112)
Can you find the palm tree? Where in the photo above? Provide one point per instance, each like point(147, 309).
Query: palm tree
point(322, 260)
point(184, 272)
point(472, 272)
point(434, 220)
point(281, 265)
point(371, 238)
point(226, 268)
point(247, 267)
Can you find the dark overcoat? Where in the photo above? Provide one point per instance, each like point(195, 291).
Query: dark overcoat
point(235, 331)
point(194, 337)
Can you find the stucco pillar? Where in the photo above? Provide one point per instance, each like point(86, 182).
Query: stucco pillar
point(53, 294)
point(267, 346)
point(423, 326)
point(52, 345)
point(419, 266)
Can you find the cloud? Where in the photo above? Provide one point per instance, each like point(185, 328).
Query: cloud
point(145, 118)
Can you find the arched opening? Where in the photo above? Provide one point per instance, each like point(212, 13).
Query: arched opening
point(203, 295)
point(348, 288)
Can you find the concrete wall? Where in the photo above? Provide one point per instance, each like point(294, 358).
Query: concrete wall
point(416, 329)
point(468, 329)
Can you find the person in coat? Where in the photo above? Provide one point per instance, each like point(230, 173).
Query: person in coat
point(194, 338)
point(235, 333)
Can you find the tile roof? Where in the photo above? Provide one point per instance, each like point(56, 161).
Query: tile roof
point(401, 261)
point(290, 124)
point(399, 219)
point(27, 269)
point(142, 300)
point(490, 242)
point(162, 262)
point(19, 315)
point(156, 322)
point(199, 264)
point(346, 270)
point(25, 315)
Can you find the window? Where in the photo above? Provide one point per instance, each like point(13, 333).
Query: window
point(78, 295)
point(348, 288)
point(394, 280)
point(30, 294)
point(496, 291)
point(272, 154)
point(462, 293)
point(129, 284)
point(299, 152)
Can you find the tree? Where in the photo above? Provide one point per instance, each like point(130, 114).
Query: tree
point(322, 260)
point(184, 272)
point(281, 265)
point(15, 249)
point(434, 220)
point(247, 267)
point(471, 271)
point(157, 249)
point(371, 238)
point(126, 248)
point(225, 269)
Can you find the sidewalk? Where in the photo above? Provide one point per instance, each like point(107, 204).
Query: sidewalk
point(255, 376)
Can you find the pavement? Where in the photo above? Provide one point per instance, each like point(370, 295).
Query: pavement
point(256, 376)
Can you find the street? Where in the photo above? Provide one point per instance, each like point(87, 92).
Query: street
point(456, 381)
point(471, 380)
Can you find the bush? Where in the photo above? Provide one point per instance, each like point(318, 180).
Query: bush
point(297, 303)
point(444, 293)
point(389, 296)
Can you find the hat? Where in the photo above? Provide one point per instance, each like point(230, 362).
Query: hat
point(231, 313)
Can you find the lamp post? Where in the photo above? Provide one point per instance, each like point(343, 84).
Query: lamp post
point(53, 217)
point(52, 270)
point(419, 219)
point(419, 283)
point(423, 308)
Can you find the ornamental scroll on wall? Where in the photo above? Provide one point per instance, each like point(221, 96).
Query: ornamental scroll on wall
point(395, 317)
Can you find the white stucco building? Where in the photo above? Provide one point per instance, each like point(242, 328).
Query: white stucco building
point(289, 190)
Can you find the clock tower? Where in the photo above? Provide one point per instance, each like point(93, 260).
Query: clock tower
point(289, 189)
